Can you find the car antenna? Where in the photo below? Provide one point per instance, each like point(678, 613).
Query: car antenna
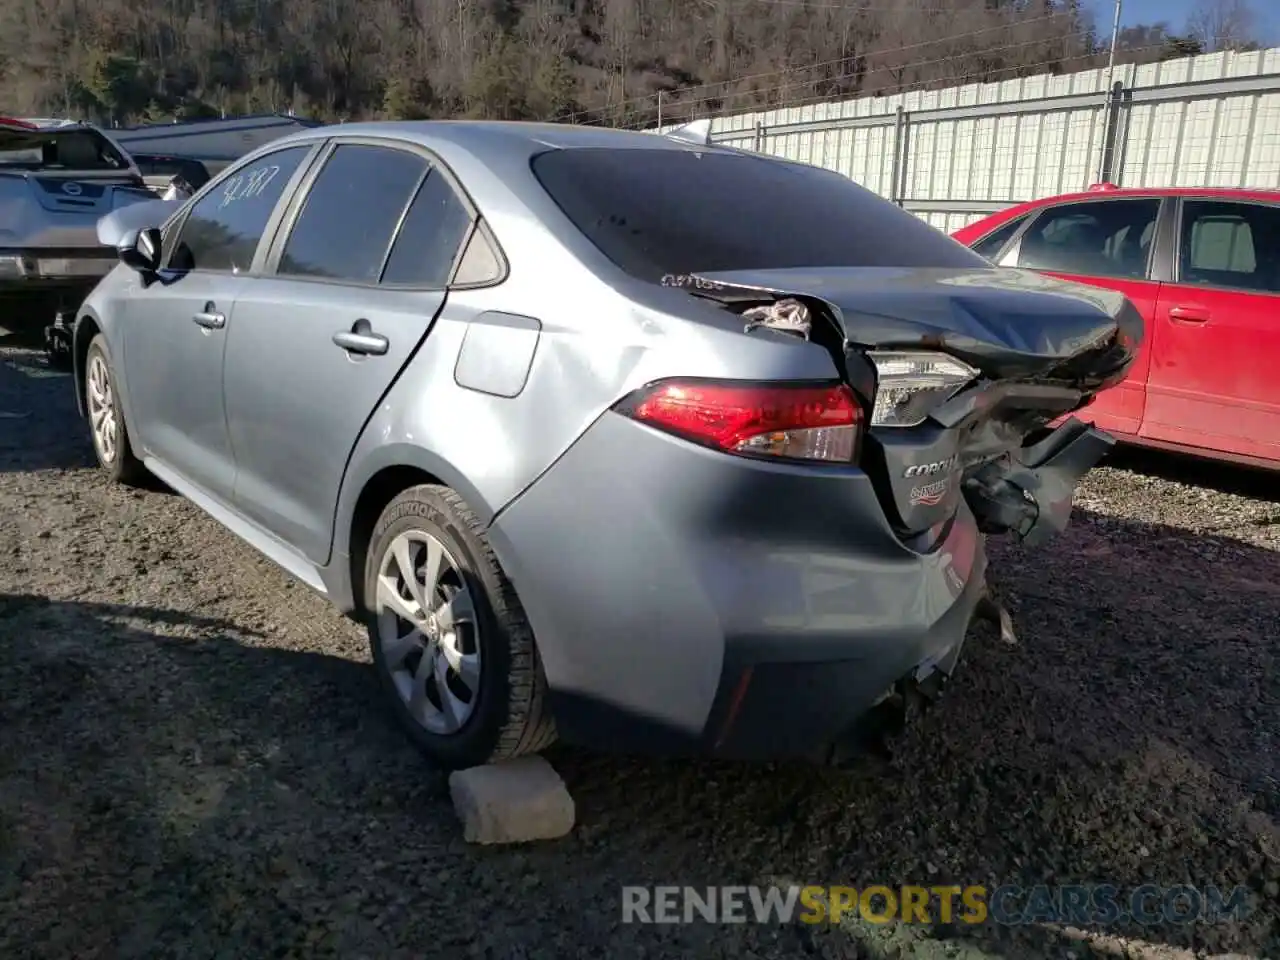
point(697, 131)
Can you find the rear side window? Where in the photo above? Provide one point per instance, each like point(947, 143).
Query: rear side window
point(428, 242)
point(991, 245)
point(351, 213)
point(1101, 238)
point(1233, 245)
point(664, 211)
point(223, 229)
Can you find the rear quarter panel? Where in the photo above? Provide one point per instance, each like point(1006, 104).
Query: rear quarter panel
point(591, 349)
point(599, 335)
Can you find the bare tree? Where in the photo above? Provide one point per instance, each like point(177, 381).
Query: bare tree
point(1224, 25)
point(600, 61)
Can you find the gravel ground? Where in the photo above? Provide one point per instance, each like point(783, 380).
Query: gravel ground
point(193, 761)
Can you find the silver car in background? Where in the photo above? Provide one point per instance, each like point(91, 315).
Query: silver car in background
point(57, 180)
point(650, 444)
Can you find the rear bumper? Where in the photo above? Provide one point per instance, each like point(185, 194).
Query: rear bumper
point(37, 284)
point(36, 268)
point(686, 602)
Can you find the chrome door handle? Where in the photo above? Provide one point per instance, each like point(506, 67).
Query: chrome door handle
point(369, 343)
point(361, 339)
point(209, 320)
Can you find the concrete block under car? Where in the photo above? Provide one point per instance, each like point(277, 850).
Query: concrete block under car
point(512, 802)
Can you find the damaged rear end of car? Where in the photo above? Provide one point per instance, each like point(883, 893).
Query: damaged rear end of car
point(959, 374)
point(957, 377)
point(837, 553)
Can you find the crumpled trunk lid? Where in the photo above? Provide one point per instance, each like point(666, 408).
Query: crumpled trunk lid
point(1042, 347)
point(1009, 323)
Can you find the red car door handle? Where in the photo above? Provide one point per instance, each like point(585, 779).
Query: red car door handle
point(1189, 314)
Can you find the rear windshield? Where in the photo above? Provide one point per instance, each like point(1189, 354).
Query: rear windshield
point(659, 212)
point(191, 171)
point(80, 150)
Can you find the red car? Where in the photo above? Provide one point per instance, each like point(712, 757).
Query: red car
point(1203, 268)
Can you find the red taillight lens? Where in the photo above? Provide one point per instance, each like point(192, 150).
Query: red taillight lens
point(777, 420)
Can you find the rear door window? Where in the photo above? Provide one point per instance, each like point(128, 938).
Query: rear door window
point(427, 244)
point(351, 213)
point(223, 229)
point(661, 211)
point(1230, 245)
point(1102, 238)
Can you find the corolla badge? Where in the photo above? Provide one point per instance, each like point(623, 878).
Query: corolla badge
point(930, 469)
point(72, 189)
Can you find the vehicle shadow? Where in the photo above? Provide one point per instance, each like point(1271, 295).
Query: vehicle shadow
point(1254, 482)
point(184, 780)
point(162, 773)
point(40, 428)
point(26, 334)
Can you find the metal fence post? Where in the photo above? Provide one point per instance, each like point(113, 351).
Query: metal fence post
point(899, 145)
point(1111, 132)
point(758, 145)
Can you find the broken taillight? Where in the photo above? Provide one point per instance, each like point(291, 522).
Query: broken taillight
point(802, 421)
point(912, 383)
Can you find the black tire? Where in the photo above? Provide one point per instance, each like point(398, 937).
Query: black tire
point(124, 467)
point(510, 717)
point(57, 356)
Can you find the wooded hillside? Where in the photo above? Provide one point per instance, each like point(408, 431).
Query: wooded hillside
point(599, 61)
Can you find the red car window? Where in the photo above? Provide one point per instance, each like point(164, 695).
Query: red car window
point(1230, 245)
point(1103, 238)
point(993, 243)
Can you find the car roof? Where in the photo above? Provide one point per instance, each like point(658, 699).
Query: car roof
point(52, 123)
point(483, 138)
point(991, 222)
point(1110, 192)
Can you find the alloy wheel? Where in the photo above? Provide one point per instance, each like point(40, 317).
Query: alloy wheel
point(102, 408)
point(428, 632)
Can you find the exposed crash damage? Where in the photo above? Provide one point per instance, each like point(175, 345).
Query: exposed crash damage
point(960, 373)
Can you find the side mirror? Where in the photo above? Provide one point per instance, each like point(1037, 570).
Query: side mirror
point(140, 250)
